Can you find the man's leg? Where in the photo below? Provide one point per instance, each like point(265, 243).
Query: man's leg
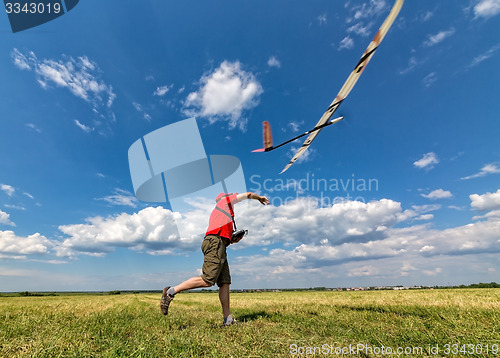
point(169, 292)
point(192, 283)
point(224, 299)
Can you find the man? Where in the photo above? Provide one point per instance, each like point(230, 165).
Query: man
point(215, 267)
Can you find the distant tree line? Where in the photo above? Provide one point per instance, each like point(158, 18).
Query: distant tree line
point(482, 285)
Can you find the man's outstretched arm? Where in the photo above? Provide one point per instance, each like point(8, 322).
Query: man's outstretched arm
point(249, 195)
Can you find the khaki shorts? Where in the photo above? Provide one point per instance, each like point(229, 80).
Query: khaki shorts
point(215, 267)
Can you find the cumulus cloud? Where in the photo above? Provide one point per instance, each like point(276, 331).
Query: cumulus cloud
point(491, 168)
point(151, 229)
point(415, 246)
point(487, 8)
point(5, 219)
point(488, 201)
point(225, 94)
point(305, 220)
point(7, 189)
point(322, 242)
point(13, 245)
point(427, 161)
point(439, 37)
point(438, 194)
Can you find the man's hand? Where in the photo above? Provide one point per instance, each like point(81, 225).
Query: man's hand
point(263, 200)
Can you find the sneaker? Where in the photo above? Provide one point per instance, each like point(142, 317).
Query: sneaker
point(165, 301)
point(229, 322)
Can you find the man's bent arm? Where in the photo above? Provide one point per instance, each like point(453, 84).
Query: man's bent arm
point(249, 195)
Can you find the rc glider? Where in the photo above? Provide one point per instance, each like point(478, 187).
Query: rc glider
point(344, 91)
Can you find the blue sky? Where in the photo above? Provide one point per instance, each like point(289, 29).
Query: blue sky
point(404, 191)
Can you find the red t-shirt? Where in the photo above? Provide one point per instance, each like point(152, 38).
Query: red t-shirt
point(219, 223)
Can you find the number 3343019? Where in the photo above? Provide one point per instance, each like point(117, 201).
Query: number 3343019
point(32, 8)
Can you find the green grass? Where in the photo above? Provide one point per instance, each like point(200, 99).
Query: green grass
point(131, 325)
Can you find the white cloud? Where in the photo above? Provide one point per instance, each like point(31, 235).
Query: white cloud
point(322, 19)
point(367, 10)
point(425, 217)
point(491, 168)
point(412, 63)
point(430, 79)
point(17, 207)
point(161, 91)
point(138, 107)
point(360, 29)
point(10, 244)
point(349, 239)
point(487, 8)
point(488, 201)
point(294, 126)
point(151, 229)
point(438, 194)
point(427, 161)
point(121, 197)
point(375, 256)
point(7, 189)
point(305, 157)
point(439, 37)
point(434, 272)
point(224, 94)
point(495, 214)
point(364, 271)
point(484, 56)
point(273, 62)
point(346, 43)
point(5, 219)
point(34, 127)
point(83, 127)
point(20, 60)
point(80, 76)
point(427, 16)
point(75, 75)
point(304, 220)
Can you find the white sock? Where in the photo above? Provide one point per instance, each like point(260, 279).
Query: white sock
point(228, 320)
point(171, 291)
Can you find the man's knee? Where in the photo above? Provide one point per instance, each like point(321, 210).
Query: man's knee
point(205, 283)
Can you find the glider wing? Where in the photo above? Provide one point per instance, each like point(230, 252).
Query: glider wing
point(351, 80)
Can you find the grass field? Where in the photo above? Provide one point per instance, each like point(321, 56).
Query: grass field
point(458, 322)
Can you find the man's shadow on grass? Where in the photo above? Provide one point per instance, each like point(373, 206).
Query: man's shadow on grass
point(252, 316)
